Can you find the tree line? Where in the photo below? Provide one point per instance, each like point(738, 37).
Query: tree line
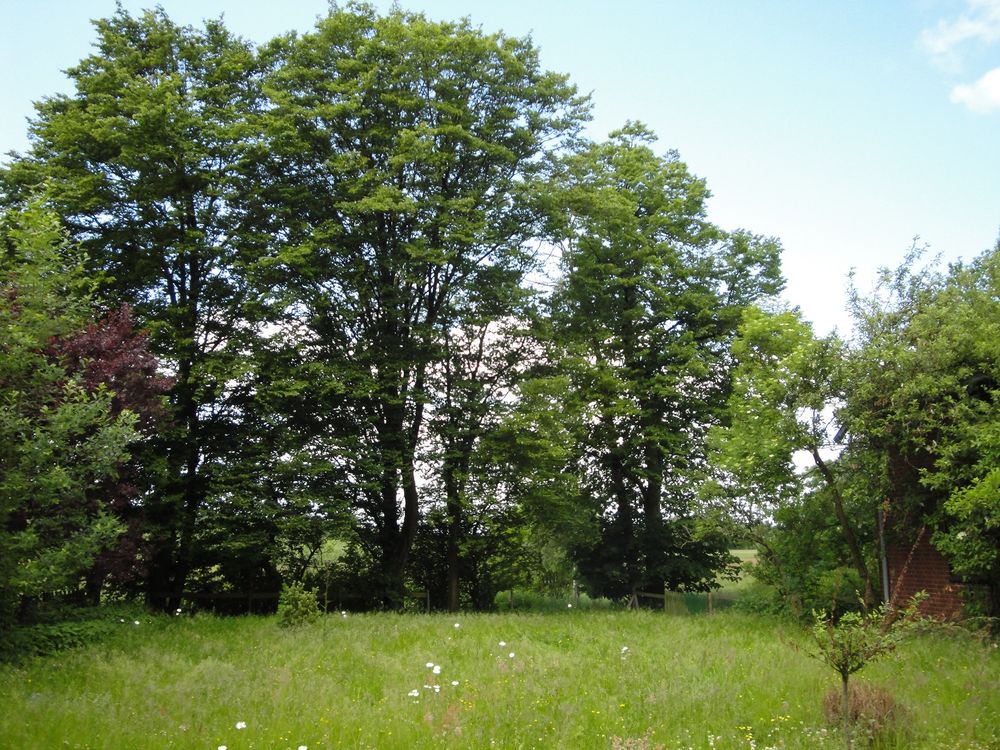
point(362, 306)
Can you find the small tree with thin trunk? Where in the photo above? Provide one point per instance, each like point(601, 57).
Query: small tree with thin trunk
point(853, 641)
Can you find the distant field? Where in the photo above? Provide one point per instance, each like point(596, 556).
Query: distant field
point(568, 680)
point(746, 556)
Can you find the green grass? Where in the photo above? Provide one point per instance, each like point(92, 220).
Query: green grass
point(684, 682)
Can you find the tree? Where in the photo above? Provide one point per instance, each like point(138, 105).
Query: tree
point(407, 150)
point(111, 355)
point(928, 359)
point(61, 435)
point(848, 644)
point(648, 305)
point(150, 164)
point(910, 407)
point(789, 390)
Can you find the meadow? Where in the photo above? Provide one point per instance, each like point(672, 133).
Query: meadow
point(573, 679)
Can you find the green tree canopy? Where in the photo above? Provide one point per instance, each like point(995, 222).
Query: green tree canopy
point(650, 299)
point(405, 152)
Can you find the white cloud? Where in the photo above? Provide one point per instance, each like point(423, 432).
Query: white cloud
point(980, 21)
point(982, 96)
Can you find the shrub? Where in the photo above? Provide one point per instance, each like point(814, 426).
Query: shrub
point(848, 644)
point(63, 627)
point(872, 710)
point(297, 605)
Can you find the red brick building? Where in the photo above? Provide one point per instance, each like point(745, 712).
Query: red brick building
point(918, 566)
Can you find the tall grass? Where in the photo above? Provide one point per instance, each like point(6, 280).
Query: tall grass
point(575, 680)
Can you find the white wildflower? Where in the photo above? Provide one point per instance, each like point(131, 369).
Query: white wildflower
point(241, 725)
point(502, 644)
point(457, 625)
point(430, 665)
point(454, 683)
point(511, 654)
point(436, 669)
point(414, 693)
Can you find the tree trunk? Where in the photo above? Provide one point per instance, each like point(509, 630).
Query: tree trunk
point(454, 507)
point(845, 710)
point(846, 529)
point(623, 518)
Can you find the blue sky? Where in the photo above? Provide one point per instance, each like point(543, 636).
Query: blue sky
point(844, 129)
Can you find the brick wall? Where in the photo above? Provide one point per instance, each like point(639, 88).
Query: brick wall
point(926, 570)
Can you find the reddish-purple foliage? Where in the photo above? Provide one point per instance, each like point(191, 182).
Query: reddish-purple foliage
point(113, 353)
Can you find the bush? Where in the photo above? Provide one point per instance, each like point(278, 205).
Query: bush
point(64, 627)
point(297, 605)
point(873, 712)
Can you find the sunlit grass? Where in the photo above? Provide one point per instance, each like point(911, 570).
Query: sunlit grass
point(725, 681)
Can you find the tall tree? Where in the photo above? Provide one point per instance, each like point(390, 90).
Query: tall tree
point(651, 296)
point(150, 163)
point(407, 148)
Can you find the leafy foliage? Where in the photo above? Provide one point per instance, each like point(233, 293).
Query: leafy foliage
point(850, 643)
point(648, 305)
point(61, 436)
point(297, 605)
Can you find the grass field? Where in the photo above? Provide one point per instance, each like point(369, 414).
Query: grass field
point(568, 680)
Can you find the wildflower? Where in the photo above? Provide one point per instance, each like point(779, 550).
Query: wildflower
point(436, 669)
point(624, 650)
point(511, 654)
point(223, 747)
point(502, 644)
point(454, 683)
point(241, 725)
point(177, 611)
point(136, 622)
point(430, 665)
point(569, 605)
point(457, 625)
point(303, 747)
point(414, 693)
point(437, 688)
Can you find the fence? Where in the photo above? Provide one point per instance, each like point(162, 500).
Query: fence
point(685, 603)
